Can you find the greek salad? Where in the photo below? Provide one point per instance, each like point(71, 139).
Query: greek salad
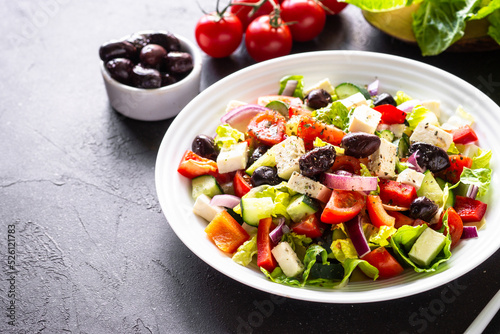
point(316, 185)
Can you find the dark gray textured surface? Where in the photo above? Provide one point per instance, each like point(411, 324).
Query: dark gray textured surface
point(94, 253)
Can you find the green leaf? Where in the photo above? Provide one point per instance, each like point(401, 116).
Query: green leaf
point(227, 136)
point(298, 89)
point(482, 160)
point(494, 28)
point(378, 5)
point(381, 235)
point(246, 251)
point(401, 97)
point(335, 113)
point(480, 177)
point(310, 259)
point(280, 194)
point(343, 249)
point(486, 10)
point(419, 114)
point(298, 242)
point(439, 23)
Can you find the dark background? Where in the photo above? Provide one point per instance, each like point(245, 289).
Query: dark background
point(94, 253)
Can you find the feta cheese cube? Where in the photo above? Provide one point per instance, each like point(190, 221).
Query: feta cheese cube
point(364, 119)
point(434, 106)
point(287, 155)
point(354, 101)
point(397, 129)
point(203, 208)
point(431, 134)
point(287, 259)
point(323, 84)
point(233, 158)
point(411, 177)
point(383, 161)
point(309, 187)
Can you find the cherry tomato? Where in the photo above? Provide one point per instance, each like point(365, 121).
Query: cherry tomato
point(192, 165)
point(241, 183)
point(265, 41)
point(219, 36)
point(342, 206)
point(333, 6)
point(385, 263)
point(268, 127)
point(457, 164)
point(310, 226)
point(243, 11)
point(455, 225)
point(306, 17)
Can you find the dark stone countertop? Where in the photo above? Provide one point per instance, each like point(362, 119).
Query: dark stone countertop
point(94, 253)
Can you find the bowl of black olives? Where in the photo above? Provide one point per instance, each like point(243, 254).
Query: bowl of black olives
point(150, 75)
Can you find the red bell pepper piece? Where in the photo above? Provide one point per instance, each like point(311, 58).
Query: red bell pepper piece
point(452, 173)
point(265, 258)
point(396, 193)
point(378, 216)
point(226, 233)
point(310, 226)
point(192, 165)
point(470, 210)
point(391, 114)
point(455, 225)
point(464, 135)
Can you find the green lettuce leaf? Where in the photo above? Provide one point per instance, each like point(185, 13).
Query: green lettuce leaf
point(482, 159)
point(480, 177)
point(439, 23)
point(419, 114)
point(405, 237)
point(298, 89)
point(335, 113)
point(280, 194)
point(378, 5)
point(227, 136)
point(453, 149)
point(343, 249)
point(485, 10)
point(401, 97)
point(310, 259)
point(298, 242)
point(277, 276)
point(380, 236)
point(494, 28)
point(246, 251)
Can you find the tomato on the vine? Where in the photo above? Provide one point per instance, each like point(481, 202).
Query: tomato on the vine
point(266, 39)
point(333, 6)
point(219, 34)
point(243, 11)
point(306, 18)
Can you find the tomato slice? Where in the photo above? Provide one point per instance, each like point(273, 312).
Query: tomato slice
point(265, 258)
point(192, 165)
point(342, 206)
point(241, 183)
point(401, 219)
point(464, 135)
point(397, 193)
point(378, 216)
point(452, 173)
point(391, 114)
point(470, 210)
point(385, 263)
point(456, 226)
point(347, 163)
point(268, 127)
point(309, 129)
point(310, 226)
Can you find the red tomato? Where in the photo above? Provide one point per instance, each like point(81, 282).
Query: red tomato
point(397, 193)
point(401, 219)
point(391, 114)
point(385, 263)
point(347, 163)
point(456, 226)
point(342, 206)
point(268, 127)
point(308, 129)
point(310, 226)
point(243, 11)
point(265, 41)
point(377, 213)
point(192, 165)
point(306, 17)
point(241, 183)
point(265, 258)
point(219, 36)
point(452, 173)
point(333, 6)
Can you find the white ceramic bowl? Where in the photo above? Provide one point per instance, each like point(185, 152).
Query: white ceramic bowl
point(419, 80)
point(160, 103)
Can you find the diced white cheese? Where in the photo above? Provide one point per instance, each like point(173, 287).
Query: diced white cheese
point(203, 208)
point(460, 119)
point(354, 101)
point(287, 155)
point(233, 158)
point(434, 106)
point(304, 185)
point(323, 84)
point(364, 119)
point(287, 259)
point(383, 161)
point(411, 177)
point(431, 134)
point(397, 129)
point(427, 247)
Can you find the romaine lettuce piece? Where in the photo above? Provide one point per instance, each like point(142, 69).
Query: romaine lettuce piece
point(480, 177)
point(298, 89)
point(246, 251)
point(227, 136)
point(335, 113)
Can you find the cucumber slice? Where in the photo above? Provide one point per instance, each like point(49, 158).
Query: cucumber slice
point(385, 134)
point(431, 189)
point(267, 159)
point(403, 144)
point(205, 184)
point(255, 209)
point(300, 207)
point(347, 89)
point(278, 106)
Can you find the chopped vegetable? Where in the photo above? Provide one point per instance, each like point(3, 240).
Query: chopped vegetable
point(226, 233)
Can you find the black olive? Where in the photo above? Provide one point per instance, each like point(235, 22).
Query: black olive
point(121, 49)
point(265, 175)
point(423, 208)
point(167, 79)
point(205, 147)
point(384, 98)
point(318, 98)
point(145, 77)
point(168, 41)
point(257, 153)
point(138, 40)
point(152, 55)
point(317, 161)
point(120, 69)
point(178, 62)
point(431, 157)
point(360, 144)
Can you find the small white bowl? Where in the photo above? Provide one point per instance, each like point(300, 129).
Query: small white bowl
point(160, 103)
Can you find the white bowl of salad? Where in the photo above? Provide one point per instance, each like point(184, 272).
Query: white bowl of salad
point(338, 176)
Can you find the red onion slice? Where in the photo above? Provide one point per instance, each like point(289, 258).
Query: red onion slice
point(226, 200)
point(341, 181)
point(409, 105)
point(373, 87)
point(355, 230)
point(472, 191)
point(239, 117)
point(469, 232)
point(278, 232)
point(290, 87)
point(412, 160)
